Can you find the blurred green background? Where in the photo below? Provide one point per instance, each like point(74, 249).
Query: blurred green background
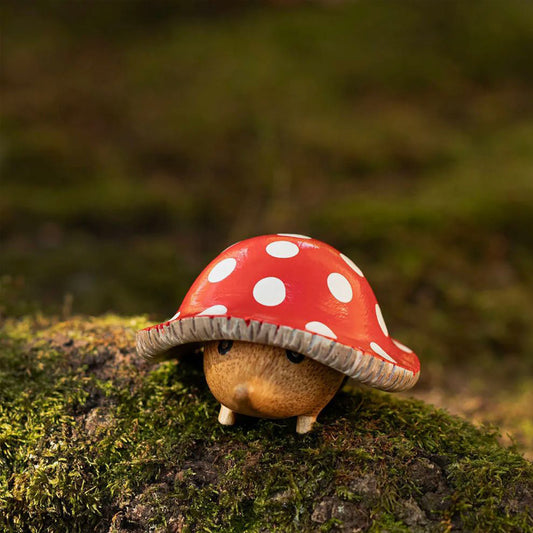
point(140, 138)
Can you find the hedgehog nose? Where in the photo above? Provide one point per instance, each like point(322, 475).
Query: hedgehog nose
point(241, 392)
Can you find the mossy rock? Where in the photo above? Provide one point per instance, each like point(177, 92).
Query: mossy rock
point(94, 439)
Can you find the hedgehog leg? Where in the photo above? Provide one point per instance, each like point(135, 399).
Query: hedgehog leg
point(304, 423)
point(226, 416)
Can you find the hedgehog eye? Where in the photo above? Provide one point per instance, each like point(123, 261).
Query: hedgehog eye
point(224, 347)
point(294, 357)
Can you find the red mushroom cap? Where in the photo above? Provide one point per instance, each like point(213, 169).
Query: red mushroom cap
point(297, 293)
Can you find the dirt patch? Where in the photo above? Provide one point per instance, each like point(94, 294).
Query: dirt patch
point(354, 517)
point(104, 354)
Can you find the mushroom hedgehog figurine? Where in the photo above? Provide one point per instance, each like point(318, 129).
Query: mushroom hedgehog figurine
point(283, 319)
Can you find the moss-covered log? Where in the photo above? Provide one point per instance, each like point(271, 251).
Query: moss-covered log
point(92, 438)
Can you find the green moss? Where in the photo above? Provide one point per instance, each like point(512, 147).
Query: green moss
point(93, 438)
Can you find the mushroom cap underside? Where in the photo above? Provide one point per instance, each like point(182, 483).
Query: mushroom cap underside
point(156, 341)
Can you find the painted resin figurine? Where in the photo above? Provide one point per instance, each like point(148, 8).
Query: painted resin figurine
point(283, 320)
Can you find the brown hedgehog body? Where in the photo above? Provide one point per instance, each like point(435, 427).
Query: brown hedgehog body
point(268, 382)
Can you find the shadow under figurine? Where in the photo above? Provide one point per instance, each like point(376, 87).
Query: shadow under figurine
point(283, 320)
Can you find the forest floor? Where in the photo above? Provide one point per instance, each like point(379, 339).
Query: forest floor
point(95, 438)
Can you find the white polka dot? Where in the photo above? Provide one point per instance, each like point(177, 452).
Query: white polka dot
point(321, 329)
point(381, 321)
point(402, 347)
point(340, 287)
point(175, 316)
point(352, 265)
point(293, 235)
point(380, 351)
point(282, 249)
point(222, 270)
point(214, 310)
point(269, 291)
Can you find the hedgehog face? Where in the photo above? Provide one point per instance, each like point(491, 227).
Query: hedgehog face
point(267, 381)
